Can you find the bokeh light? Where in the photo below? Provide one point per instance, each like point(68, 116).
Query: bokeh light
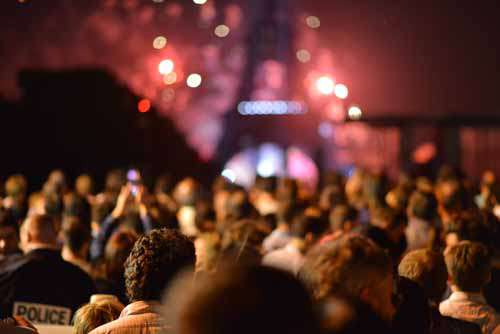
point(170, 78)
point(159, 42)
point(222, 30)
point(194, 80)
point(313, 22)
point(341, 91)
point(354, 112)
point(325, 130)
point(144, 105)
point(325, 85)
point(303, 56)
point(229, 174)
point(200, 2)
point(166, 66)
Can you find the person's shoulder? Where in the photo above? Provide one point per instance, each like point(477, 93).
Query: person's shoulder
point(12, 263)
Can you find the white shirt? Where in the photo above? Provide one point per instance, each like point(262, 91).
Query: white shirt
point(471, 307)
point(288, 259)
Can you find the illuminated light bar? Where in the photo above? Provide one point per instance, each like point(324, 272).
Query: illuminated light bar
point(248, 108)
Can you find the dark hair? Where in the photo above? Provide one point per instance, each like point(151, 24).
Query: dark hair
point(427, 268)
point(308, 224)
point(470, 225)
point(75, 205)
point(344, 267)
point(75, 233)
point(340, 215)
point(248, 300)
point(412, 308)
point(469, 265)
point(422, 205)
point(154, 260)
point(117, 250)
point(242, 241)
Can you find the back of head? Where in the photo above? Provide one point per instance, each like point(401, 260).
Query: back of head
point(84, 185)
point(39, 229)
point(93, 315)
point(343, 217)
point(427, 268)
point(242, 241)
point(76, 205)
point(154, 260)
point(248, 300)
point(76, 234)
point(344, 267)
point(309, 225)
point(469, 265)
point(116, 253)
point(16, 186)
point(422, 205)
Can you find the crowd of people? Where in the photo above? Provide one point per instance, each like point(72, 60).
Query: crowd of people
point(361, 254)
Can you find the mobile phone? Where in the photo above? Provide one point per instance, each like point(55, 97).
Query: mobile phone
point(134, 179)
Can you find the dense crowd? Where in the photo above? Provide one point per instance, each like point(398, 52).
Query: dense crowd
point(361, 254)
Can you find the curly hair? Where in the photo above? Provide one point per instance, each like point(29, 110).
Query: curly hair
point(155, 259)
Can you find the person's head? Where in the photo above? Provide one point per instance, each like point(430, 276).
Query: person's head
point(467, 225)
point(390, 221)
point(115, 180)
point(397, 199)
point(246, 300)
point(116, 253)
point(242, 241)
point(309, 227)
point(38, 230)
point(351, 267)
point(287, 190)
point(58, 179)
point(76, 236)
point(331, 196)
point(16, 187)
point(469, 266)
point(9, 234)
point(186, 192)
point(93, 315)
point(422, 205)
point(238, 206)
point(428, 269)
point(154, 260)
point(84, 185)
point(77, 206)
point(343, 218)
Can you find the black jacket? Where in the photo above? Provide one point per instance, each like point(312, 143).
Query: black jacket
point(43, 287)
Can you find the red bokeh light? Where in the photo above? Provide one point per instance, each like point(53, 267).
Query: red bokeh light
point(144, 105)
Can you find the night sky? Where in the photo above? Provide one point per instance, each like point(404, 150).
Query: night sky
point(402, 57)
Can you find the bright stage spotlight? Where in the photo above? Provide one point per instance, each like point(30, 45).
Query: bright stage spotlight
point(200, 2)
point(194, 80)
point(354, 113)
point(166, 66)
point(229, 174)
point(159, 42)
point(222, 31)
point(341, 91)
point(325, 85)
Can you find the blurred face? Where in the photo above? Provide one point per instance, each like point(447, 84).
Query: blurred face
point(379, 297)
point(8, 240)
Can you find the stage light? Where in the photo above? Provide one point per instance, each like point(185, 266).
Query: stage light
point(144, 105)
point(313, 22)
point(170, 78)
point(354, 113)
point(303, 56)
point(166, 66)
point(341, 91)
point(194, 80)
point(325, 85)
point(229, 174)
point(222, 30)
point(265, 168)
point(200, 2)
point(159, 42)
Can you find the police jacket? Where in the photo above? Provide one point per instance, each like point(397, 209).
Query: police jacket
point(43, 288)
